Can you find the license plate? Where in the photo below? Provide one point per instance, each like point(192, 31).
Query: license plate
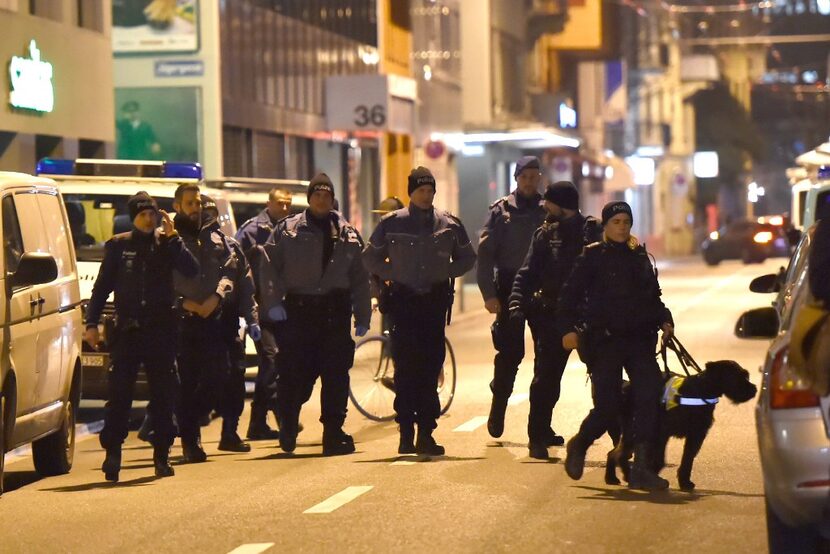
point(92, 360)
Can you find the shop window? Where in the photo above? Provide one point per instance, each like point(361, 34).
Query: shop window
point(91, 149)
point(49, 9)
point(48, 146)
point(91, 15)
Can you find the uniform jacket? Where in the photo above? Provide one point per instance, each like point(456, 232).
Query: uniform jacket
point(504, 240)
point(419, 250)
point(290, 264)
point(255, 232)
point(550, 260)
point(619, 289)
point(139, 269)
point(224, 270)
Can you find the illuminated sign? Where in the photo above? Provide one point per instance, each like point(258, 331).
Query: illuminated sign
point(567, 116)
point(31, 82)
point(705, 165)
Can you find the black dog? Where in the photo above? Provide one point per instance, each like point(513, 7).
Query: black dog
point(687, 411)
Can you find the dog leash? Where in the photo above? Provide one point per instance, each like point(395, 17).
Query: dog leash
point(686, 360)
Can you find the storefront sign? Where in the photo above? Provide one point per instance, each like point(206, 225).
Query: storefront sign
point(180, 68)
point(31, 82)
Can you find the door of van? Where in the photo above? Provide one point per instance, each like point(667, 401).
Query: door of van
point(48, 350)
point(60, 318)
point(21, 329)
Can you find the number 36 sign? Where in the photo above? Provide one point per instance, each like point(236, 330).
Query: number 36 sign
point(365, 102)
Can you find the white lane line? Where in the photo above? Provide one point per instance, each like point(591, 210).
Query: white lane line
point(252, 548)
point(701, 296)
point(517, 399)
point(403, 463)
point(471, 425)
point(340, 499)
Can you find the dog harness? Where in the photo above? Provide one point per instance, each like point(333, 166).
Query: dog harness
point(672, 397)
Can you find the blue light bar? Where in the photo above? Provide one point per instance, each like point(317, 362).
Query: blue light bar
point(55, 166)
point(182, 170)
point(824, 172)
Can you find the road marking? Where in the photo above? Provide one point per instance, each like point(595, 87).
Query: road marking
point(701, 296)
point(253, 548)
point(517, 399)
point(340, 499)
point(471, 425)
point(403, 463)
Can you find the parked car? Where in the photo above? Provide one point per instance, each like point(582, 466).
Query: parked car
point(747, 240)
point(793, 424)
point(248, 196)
point(96, 194)
point(40, 365)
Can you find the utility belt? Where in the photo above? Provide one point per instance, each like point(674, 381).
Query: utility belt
point(541, 303)
point(126, 324)
point(334, 300)
point(439, 296)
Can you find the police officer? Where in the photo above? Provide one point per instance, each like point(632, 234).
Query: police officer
point(255, 232)
point(502, 246)
point(618, 326)
point(553, 251)
point(211, 305)
point(419, 249)
point(138, 266)
point(312, 278)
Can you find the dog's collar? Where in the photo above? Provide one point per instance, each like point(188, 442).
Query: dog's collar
point(683, 401)
point(672, 397)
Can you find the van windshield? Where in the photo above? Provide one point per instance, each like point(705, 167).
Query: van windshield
point(94, 218)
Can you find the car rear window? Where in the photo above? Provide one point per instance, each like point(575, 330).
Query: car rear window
point(823, 205)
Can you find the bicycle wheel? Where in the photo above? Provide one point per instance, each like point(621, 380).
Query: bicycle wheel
point(372, 386)
point(446, 380)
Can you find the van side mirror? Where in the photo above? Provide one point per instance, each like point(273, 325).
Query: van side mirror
point(770, 282)
point(34, 268)
point(760, 323)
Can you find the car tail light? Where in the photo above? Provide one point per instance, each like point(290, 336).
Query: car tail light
point(787, 389)
point(762, 237)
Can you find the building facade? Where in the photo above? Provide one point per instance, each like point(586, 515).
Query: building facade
point(57, 93)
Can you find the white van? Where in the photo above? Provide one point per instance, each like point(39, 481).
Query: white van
point(817, 200)
point(96, 194)
point(40, 366)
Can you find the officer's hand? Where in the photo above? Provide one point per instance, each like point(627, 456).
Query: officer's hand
point(277, 313)
point(668, 332)
point(360, 330)
point(166, 223)
point(569, 341)
point(209, 306)
point(191, 306)
point(92, 337)
point(374, 303)
point(255, 332)
point(492, 305)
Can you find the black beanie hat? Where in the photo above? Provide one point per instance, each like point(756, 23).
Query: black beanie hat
point(526, 162)
point(563, 194)
point(419, 177)
point(139, 202)
point(321, 181)
point(613, 208)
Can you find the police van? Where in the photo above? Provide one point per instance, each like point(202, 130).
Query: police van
point(96, 194)
point(40, 363)
point(817, 198)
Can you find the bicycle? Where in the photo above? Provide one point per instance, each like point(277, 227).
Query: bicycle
point(372, 386)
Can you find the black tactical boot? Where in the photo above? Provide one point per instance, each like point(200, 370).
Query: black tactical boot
point(161, 462)
point(232, 443)
point(192, 451)
point(552, 439)
point(495, 423)
point(288, 433)
point(112, 464)
point(336, 442)
point(426, 445)
point(641, 476)
point(538, 450)
point(407, 443)
point(575, 457)
point(258, 429)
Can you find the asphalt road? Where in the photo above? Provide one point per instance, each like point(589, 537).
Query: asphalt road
point(485, 495)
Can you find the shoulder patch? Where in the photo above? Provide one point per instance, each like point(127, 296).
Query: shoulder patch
point(502, 200)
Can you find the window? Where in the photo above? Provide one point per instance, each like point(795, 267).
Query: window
point(91, 15)
point(46, 8)
point(12, 239)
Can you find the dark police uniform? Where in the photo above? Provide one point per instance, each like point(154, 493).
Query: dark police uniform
point(550, 259)
point(255, 232)
point(419, 252)
point(210, 375)
point(314, 270)
point(139, 269)
point(619, 321)
point(502, 247)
